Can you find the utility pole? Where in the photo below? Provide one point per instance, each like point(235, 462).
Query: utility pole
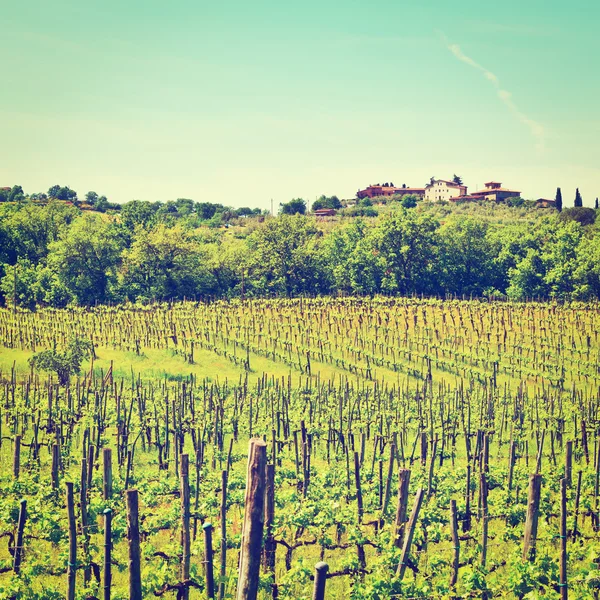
point(271, 206)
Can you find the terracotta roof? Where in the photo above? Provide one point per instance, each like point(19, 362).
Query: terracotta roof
point(494, 190)
point(450, 183)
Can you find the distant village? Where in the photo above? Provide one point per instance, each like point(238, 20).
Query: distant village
point(438, 190)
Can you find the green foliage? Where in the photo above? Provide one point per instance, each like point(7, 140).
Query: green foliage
point(293, 207)
point(165, 263)
point(85, 259)
point(582, 215)
point(64, 363)
point(409, 200)
point(327, 202)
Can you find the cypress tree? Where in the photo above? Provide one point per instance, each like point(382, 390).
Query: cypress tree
point(596, 206)
point(558, 200)
point(578, 200)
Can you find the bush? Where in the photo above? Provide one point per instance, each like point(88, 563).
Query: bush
point(580, 214)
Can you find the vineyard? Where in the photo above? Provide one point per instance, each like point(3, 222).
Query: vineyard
point(326, 448)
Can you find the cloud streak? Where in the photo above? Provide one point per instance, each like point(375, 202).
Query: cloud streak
point(537, 129)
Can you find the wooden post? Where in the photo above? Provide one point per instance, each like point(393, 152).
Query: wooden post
point(531, 524)
point(564, 590)
point(511, 463)
point(321, 569)
point(19, 542)
point(467, 521)
point(223, 573)
point(410, 531)
point(84, 520)
point(455, 543)
point(107, 473)
point(252, 529)
point(55, 466)
point(107, 553)
point(569, 462)
point(388, 482)
point(17, 457)
point(483, 490)
point(208, 559)
point(270, 545)
point(403, 486)
point(133, 535)
point(72, 564)
point(185, 523)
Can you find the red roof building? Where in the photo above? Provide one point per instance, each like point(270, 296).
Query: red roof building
point(373, 191)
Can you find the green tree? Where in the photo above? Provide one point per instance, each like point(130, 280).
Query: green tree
point(62, 193)
point(295, 206)
point(16, 194)
point(578, 200)
point(91, 198)
point(527, 278)
point(458, 180)
point(64, 363)
point(581, 214)
point(165, 263)
point(86, 257)
point(466, 257)
point(409, 200)
point(407, 243)
point(332, 202)
point(139, 212)
point(286, 258)
point(558, 203)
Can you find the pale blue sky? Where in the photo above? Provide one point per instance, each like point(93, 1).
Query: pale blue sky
point(241, 102)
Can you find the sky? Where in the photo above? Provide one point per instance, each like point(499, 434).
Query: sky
point(242, 102)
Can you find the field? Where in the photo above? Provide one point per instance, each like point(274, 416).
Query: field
point(421, 448)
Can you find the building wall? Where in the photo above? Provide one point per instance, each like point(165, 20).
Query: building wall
point(442, 191)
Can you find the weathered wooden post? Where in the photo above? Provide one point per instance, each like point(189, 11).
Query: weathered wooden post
point(252, 529)
point(107, 553)
point(185, 522)
point(321, 569)
point(455, 543)
point(569, 462)
point(72, 564)
point(410, 531)
point(17, 457)
point(133, 536)
point(223, 572)
point(564, 590)
point(403, 487)
point(531, 523)
point(19, 541)
point(107, 473)
point(208, 560)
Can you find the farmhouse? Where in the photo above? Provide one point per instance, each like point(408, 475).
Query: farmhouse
point(439, 189)
point(325, 212)
point(388, 189)
point(494, 191)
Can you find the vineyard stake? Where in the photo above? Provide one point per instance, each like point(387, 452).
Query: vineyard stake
point(410, 531)
point(531, 524)
point(252, 529)
point(208, 559)
point(19, 542)
point(564, 590)
point(223, 572)
point(133, 535)
point(72, 564)
point(107, 553)
point(185, 522)
point(321, 569)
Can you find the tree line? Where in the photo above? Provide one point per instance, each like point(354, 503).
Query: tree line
point(56, 255)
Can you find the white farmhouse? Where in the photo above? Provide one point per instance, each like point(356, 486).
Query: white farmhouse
point(439, 190)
